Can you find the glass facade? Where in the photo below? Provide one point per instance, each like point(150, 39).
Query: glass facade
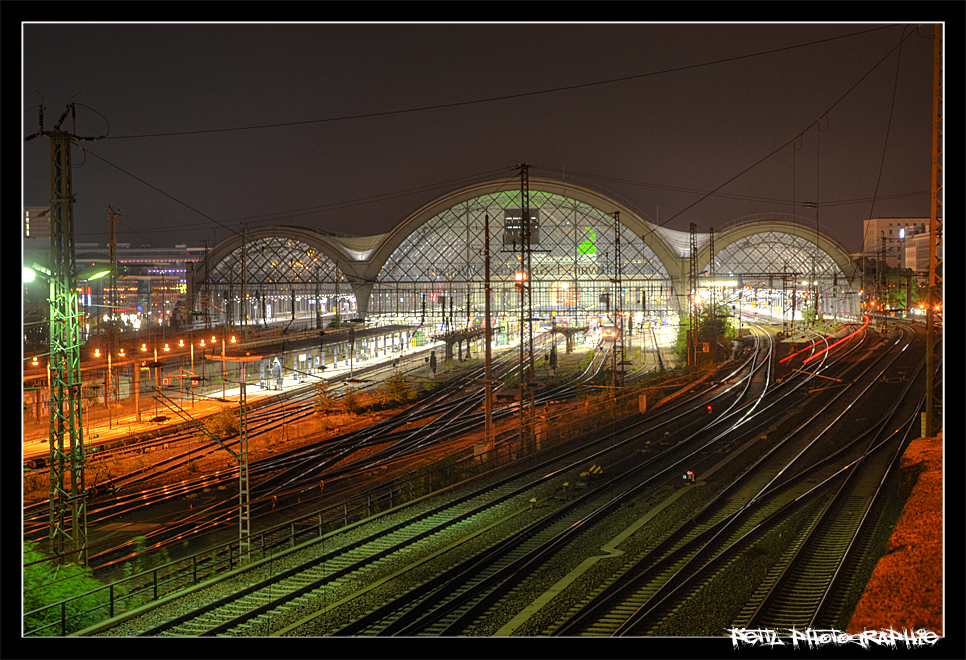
point(281, 275)
point(438, 271)
point(435, 276)
point(770, 261)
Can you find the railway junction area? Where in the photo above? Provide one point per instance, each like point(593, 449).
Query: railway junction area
point(613, 484)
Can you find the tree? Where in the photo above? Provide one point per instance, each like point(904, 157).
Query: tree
point(708, 329)
point(353, 401)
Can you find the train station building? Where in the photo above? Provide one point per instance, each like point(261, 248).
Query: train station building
point(430, 267)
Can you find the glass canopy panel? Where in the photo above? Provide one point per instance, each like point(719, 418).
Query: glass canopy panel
point(767, 259)
point(275, 260)
point(572, 260)
point(776, 252)
point(283, 278)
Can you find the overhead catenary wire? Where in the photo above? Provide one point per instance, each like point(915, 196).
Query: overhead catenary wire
point(788, 142)
point(287, 214)
point(275, 216)
point(506, 97)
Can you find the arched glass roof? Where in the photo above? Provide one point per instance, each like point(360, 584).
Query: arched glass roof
point(775, 252)
point(275, 261)
point(571, 238)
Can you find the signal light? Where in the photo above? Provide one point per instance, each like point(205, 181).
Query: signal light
point(181, 343)
point(144, 347)
point(233, 340)
point(167, 348)
point(97, 352)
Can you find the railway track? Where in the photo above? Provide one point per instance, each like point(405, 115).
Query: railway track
point(307, 463)
point(471, 575)
point(668, 581)
point(488, 496)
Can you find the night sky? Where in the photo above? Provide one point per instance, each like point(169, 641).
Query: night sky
point(377, 120)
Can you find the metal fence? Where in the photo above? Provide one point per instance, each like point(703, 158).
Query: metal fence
point(588, 415)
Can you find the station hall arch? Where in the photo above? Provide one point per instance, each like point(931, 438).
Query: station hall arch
point(431, 267)
point(273, 274)
point(782, 260)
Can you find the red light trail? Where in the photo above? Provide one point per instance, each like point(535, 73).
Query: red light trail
point(846, 338)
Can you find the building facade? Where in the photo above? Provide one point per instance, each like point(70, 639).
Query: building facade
point(429, 269)
point(889, 238)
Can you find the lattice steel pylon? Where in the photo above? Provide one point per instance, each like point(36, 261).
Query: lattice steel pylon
point(244, 500)
point(66, 437)
point(714, 309)
point(244, 486)
point(692, 294)
point(935, 231)
point(618, 358)
point(526, 309)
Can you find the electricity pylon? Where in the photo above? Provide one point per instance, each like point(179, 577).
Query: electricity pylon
point(66, 437)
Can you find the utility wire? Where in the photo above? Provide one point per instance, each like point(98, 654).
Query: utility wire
point(291, 213)
point(525, 94)
point(155, 188)
point(791, 141)
point(505, 97)
point(892, 107)
point(752, 198)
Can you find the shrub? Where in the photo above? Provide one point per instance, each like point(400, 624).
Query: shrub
point(324, 398)
point(223, 424)
point(44, 584)
point(353, 401)
point(396, 390)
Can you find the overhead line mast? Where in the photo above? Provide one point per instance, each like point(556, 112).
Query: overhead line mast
point(66, 436)
point(526, 310)
point(935, 234)
point(692, 293)
point(618, 357)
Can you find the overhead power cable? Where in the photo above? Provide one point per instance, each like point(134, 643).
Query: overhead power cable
point(291, 213)
point(505, 97)
point(791, 141)
point(750, 198)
